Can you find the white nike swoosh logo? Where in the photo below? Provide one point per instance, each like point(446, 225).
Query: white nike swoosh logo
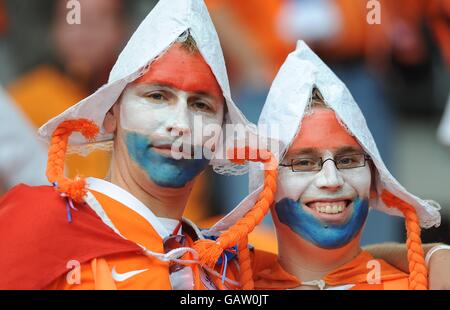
point(120, 277)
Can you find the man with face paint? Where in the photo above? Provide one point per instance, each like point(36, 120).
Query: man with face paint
point(153, 114)
point(128, 232)
point(330, 174)
point(327, 202)
point(323, 203)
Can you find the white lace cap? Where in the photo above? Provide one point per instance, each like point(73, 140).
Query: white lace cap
point(160, 29)
point(285, 107)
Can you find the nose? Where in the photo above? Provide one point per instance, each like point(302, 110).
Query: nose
point(329, 178)
point(178, 123)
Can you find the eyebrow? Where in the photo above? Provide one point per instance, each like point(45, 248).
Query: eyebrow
point(309, 151)
point(348, 149)
point(168, 84)
point(306, 151)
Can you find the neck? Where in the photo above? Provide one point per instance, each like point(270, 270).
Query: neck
point(162, 201)
point(308, 262)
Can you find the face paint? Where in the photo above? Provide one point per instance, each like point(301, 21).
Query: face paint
point(163, 170)
point(326, 236)
point(162, 107)
point(183, 70)
point(177, 87)
point(329, 205)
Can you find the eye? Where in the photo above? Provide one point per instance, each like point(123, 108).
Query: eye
point(156, 96)
point(350, 161)
point(306, 162)
point(346, 160)
point(201, 106)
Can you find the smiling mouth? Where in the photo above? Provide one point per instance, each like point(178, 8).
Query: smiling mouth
point(330, 207)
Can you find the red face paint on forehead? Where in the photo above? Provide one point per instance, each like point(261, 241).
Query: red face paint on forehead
point(322, 130)
point(183, 70)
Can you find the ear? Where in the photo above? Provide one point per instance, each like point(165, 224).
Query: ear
point(110, 121)
point(373, 181)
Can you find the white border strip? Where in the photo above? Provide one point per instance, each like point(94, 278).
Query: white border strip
point(117, 193)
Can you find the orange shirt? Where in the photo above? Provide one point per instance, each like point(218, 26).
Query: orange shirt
point(137, 223)
point(269, 274)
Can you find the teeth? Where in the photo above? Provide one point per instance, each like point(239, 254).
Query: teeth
point(329, 207)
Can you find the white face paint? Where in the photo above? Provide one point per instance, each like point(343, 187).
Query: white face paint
point(327, 194)
point(327, 187)
point(165, 114)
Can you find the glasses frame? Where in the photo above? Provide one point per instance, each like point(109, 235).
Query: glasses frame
point(322, 162)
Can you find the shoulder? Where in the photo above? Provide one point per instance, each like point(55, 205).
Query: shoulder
point(30, 203)
point(34, 224)
point(24, 196)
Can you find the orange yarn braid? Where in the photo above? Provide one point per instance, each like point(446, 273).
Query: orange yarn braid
point(75, 189)
point(418, 273)
point(245, 265)
point(209, 251)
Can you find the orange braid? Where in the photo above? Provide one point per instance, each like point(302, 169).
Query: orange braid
point(75, 189)
point(418, 273)
point(209, 251)
point(245, 265)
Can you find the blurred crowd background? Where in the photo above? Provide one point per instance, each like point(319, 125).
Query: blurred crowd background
point(398, 72)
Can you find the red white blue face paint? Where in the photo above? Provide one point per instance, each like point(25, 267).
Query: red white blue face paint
point(326, 207)
point(162, 107)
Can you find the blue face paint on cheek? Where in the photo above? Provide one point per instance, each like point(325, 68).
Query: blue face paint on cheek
point(327, 236)
point(164, 171)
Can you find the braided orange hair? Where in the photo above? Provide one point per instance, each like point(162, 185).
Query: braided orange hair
point(210, 251)
point(418, 273)
point(75, 189)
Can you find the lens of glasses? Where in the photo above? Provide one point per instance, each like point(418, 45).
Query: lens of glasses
point(306, 164)
point(346, 161)
point(350, 161)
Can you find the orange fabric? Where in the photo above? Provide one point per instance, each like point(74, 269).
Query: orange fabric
point(268, 274)
point(43, 239)
point(97, 274)
point(356, 271)
point(258, 21)
point(43, 94)
point(350, 42)
point(102, 275)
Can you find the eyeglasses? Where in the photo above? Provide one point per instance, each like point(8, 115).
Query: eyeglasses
point(346, 161)
point(173, 242)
